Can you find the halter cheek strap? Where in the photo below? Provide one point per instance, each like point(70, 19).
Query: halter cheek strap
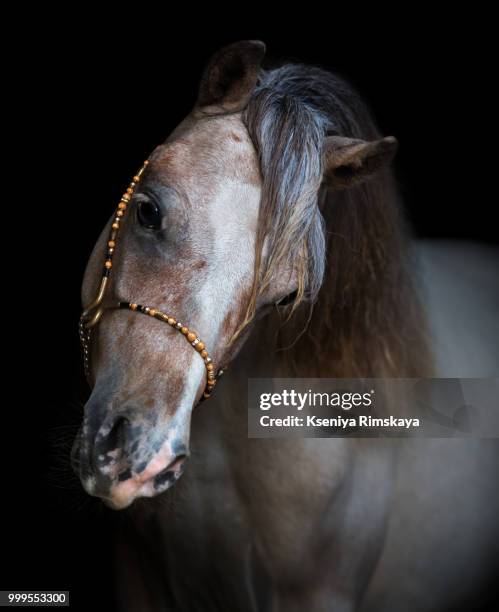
point(92, 314)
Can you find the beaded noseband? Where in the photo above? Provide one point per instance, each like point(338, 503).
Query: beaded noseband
point(92, 314)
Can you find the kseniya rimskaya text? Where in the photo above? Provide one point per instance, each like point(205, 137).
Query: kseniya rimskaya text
point(338, 422)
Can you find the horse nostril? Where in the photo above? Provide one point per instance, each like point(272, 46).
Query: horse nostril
point(177, 462)
point(116, 437)
point(171, 472)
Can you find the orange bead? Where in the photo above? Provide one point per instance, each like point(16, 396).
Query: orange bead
point(122, 205)
point(111, 244)
point(109, 264)
point(184, 330)
point(115, 226)
point(152, 312)
point(136, 178)
point(119, 213)
point(191, 336)
point(199, 346)
point(129, 191)
point(204, 353)
point(133, 306)
point(171, 321)
point(209, 367)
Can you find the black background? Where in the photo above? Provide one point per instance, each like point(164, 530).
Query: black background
point(99, 97)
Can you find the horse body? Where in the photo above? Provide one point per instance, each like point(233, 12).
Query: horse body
point(250, 202)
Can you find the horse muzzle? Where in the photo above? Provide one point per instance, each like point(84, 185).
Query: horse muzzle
point(127, 457)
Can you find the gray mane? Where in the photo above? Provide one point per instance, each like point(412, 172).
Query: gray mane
point(350, 248)
point(289, 114)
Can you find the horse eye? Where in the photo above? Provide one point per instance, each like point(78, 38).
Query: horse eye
point(287, 299)
point(149, 215)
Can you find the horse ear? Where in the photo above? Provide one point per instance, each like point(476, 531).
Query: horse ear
point(230, 77)
point(348, 161)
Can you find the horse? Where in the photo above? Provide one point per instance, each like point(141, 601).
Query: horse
point(269, 221)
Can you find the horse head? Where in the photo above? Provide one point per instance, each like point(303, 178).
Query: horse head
point(225, 222)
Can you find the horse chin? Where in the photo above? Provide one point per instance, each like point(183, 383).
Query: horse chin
point(123, 494)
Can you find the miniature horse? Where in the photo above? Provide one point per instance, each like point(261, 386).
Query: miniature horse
point(269, 222)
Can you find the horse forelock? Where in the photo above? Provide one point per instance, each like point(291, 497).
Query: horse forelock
point(288, 134)
point(288, 116)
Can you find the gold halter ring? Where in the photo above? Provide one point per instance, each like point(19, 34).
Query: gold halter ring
point(92, 314)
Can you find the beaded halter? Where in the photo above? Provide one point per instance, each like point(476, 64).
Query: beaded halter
point(92, 314)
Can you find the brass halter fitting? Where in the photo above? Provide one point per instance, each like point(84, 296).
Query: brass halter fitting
point(92, 314)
